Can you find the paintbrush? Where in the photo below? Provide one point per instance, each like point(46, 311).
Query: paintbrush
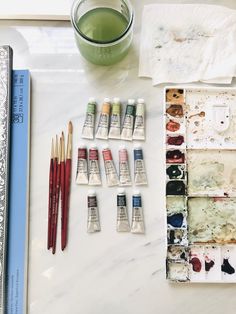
point(62, 185)
point(55, 214)
point(50, 196)
point(67, 185)
point(55, 170)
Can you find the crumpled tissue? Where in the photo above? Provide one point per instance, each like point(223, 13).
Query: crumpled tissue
point(186, 43)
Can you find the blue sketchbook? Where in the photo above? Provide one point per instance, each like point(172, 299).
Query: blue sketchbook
point(17, 259)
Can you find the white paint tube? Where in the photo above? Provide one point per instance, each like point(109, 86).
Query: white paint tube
point(94, 170)
point(139, 125)
point(111, 174)
point(140, 177)
point(114, 132)
point(124, 172)
point(88, 128)
point(122, 224)
point(137, 214)
point(103, 124)
point(128, 124)
point(82, 166)
point(93, 224)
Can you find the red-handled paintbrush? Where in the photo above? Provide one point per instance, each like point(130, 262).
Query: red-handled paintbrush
point(55, 170)
point(67, 185)
point(55, 214)
point(62, 186)
point(50, 196)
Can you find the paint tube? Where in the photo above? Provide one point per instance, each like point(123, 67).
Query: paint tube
point(115, 119)
point(103, 124)
point(93, 224)
point(88, 128)
point(82, 166)
point(94, 170)
point(111, 174)
point(140, 177)
point(128, 124)
point(124, 172)
point(122, 214)
point(137, 214)
point(139, 125)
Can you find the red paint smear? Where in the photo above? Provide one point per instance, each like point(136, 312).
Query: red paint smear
point(176, 140)
point(173, 126)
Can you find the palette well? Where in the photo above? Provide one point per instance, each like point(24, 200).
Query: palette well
point(200, 143)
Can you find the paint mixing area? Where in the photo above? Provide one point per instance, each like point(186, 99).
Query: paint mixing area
point(201, 184)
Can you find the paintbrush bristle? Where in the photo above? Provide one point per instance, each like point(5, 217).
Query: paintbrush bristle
point(59, 153)
point(70, 127)
point(52, 149)
point(56, 149)
point(62, 147)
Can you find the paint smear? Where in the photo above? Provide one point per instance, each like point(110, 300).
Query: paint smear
point(175, 188)
point(175, 111)
point(178, 271)
point(175, 140)
point(175, 156)
point(172, 126)
point(175, 96)
point(210, 220)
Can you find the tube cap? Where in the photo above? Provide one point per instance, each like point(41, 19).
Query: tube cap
point(91, 192)
point(92, 100)
point(116, 100)
point(105, 146)
point(107, 100)
point(131, 101)
point(122, 147)
point(82, 145)
point(140, 101)
point(121, 191)
point(137, 146)
point(136, 192)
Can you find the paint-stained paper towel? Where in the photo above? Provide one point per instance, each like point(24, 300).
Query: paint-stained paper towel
point(188, 43)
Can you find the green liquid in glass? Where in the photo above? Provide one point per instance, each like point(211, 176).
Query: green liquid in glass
point(103, 25)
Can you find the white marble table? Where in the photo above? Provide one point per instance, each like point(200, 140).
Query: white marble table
point(107, 272)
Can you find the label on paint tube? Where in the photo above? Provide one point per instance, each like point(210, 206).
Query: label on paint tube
point(122, 214)
point(128, 124)
point(111, 174)
point(140, 177)
point(93, 224)
point(88, 128)
point(115, 122)
point(94, 170)
point(103, 125)
point(82, 167)
point(137, 215)
point(139, 125)
point(124, 172)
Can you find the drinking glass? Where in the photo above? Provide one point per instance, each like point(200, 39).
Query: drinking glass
point(103, 29)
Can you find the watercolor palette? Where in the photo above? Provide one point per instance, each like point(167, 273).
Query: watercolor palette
point(200, 141)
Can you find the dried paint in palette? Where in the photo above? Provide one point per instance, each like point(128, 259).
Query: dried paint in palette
point(200, 142)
